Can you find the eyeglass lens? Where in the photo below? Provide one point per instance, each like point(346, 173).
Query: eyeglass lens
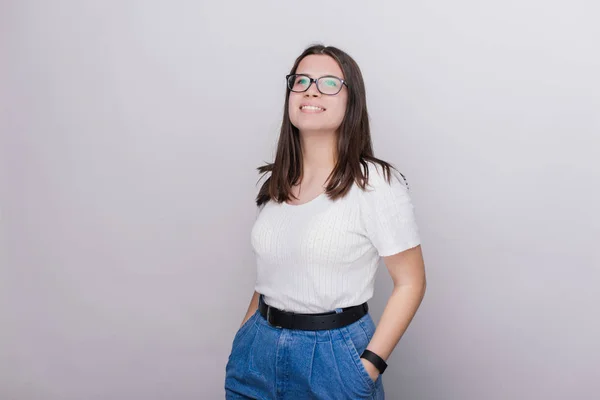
point(326, 84)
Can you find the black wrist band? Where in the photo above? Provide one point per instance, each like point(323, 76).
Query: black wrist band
point(375, 359)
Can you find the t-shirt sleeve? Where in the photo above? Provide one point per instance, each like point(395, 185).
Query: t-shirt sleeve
point(388, 213)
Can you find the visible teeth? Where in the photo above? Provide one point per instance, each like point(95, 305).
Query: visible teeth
point(312, 108)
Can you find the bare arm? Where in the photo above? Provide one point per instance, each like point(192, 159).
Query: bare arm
point(407, 270)
point(252, 307)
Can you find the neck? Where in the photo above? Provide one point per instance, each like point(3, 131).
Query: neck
point(319, 154)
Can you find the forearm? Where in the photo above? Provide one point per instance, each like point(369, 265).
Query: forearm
point(397, 315)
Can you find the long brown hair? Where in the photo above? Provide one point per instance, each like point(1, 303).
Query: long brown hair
point(354, 146)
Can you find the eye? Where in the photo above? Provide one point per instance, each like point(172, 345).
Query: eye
point(331, 82)
point(302, 81)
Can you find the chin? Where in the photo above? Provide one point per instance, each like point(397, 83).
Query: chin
point(314, 127)
point(305, 125)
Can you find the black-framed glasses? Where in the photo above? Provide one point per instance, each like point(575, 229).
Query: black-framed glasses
point(328, 84)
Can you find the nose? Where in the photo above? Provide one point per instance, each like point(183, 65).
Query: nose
point(312, 90)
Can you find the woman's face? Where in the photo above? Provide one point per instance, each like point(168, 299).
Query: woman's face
point(312, 110)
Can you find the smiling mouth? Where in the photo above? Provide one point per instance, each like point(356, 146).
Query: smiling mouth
point(311, 108)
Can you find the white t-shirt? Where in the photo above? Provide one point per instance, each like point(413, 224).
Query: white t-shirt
point(324, 254)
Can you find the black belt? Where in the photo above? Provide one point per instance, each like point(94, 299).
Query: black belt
point(311, 322)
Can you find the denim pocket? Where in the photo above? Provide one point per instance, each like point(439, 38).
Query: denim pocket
point(256, 352)
point(368, 326)
point(244, 328)
point(236, 361)
point(357, 341)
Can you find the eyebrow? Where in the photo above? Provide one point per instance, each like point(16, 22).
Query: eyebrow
point(312, 75)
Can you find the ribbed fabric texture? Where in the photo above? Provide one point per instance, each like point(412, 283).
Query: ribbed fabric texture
point(324, 254)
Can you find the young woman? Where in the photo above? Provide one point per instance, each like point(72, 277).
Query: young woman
point(327, 213)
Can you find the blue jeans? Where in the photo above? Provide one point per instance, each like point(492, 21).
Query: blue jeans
point(288, 364)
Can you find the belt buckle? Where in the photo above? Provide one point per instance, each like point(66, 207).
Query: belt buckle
point(269, 318)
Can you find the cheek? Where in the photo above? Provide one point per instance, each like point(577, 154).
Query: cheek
point(293, 104)
point(339, 111)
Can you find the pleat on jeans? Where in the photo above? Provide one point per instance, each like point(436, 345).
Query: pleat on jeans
point(312, 359)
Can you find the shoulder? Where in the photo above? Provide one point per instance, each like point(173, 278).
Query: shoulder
point(262, 195)
point(381, 178)
point(387, 211)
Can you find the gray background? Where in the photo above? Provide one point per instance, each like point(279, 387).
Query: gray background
point(130, 131)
